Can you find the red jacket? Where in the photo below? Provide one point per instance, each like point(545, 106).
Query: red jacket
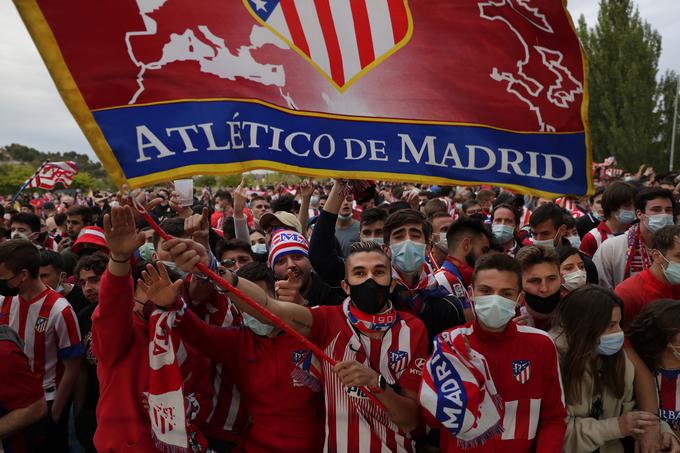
point(594, 238)
point(286, 415)
point(120, 342)
point(638, 291)
point(523, 364)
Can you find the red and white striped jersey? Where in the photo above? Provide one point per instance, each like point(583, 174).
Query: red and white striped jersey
point(228, 416)
point(353, 422)
point(49, 329)
point(668, 385)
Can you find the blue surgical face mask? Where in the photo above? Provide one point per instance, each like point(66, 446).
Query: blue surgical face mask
point(625, 216)
point(494, 311)
point(503, 233)
point(259, 248)
point(658, 221)
point(408, 256)
point(379, 241)
point(575, 241)
point(610, 344)
point(258, 328)
point(672, 272)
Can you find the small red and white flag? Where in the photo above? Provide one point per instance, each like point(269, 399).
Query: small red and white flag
point(52, 173)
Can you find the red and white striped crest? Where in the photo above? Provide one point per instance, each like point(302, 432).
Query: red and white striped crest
point(343, 39)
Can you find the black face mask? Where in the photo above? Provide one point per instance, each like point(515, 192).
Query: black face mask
point(470, 259)
point(542, 305)
point(369, 297)
point(6, 290)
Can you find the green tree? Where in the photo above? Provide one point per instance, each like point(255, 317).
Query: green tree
point(13, 176)
point(623, 52)
point(668, 87)
point(206, 181)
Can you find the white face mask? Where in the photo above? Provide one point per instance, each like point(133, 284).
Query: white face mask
point(258, 328)
point(574, 280)
point(675, 352)
point(494, 311)
point(575, 241)
point(442, 243)
point(259, 248)
point(547, 243)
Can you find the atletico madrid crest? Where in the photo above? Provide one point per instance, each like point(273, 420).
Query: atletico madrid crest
point(41, 324)
point(343, 40)
point(521, 369)
point(398, 361)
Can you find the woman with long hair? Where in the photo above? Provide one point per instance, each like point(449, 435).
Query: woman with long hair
point(596, 374)
point(655, 335)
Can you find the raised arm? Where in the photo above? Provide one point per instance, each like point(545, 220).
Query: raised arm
point(306, 191)
point(187, 254)
point(112, 320)
point(240, 222)
point(328, 265)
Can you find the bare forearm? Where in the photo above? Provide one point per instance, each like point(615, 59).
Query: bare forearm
point(66, 386)
point(303, 215)
point(120, 267)
point(298, 317)
point(335, 199)
point(20, 419)
point(402, 410)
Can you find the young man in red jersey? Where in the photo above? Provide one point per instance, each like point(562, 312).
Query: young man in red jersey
point(48, 327)
point(377, 348)
point(522, 362)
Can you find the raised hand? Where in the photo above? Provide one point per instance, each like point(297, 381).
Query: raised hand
point(354, 374)
point(306, 189)
point(411, 197)
point(121, 233)
point(289, 290)
point(158, 287)
point(240, 196)
point(198, 227)
point(186, 253)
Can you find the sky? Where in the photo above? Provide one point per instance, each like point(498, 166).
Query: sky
point(33, 114)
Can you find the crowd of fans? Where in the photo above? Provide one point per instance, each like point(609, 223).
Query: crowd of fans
point(455, 319)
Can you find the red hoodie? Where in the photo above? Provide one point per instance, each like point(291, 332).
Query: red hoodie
point(120, 342)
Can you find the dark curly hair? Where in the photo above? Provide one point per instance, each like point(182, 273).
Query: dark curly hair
point(653, 329)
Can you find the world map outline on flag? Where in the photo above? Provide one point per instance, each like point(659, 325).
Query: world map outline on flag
point(215, 58)
point(204, 88)
point(550, 58)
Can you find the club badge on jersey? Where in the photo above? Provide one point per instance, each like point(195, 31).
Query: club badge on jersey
point(521, 370)
point(398, 361)
point(41, 324)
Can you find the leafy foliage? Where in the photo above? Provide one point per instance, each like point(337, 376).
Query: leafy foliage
point(19, 162)
point(628, 106)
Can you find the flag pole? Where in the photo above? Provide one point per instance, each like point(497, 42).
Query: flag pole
point(28, 181)
point(675, 118)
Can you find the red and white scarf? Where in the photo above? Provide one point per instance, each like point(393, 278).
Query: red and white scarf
point(368, 323)
point(458, 392)
point(637, 254)
point(170, 411)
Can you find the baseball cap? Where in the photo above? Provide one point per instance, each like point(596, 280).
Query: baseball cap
point(90, 235)
point(286, 218)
